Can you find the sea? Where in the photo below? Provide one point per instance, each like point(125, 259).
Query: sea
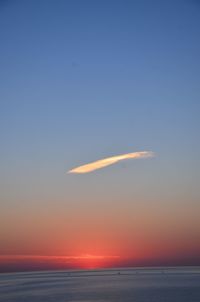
point(114, 285)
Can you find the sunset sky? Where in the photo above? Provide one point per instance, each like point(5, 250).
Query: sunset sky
point(82, 81)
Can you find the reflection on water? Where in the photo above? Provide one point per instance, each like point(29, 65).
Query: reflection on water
point(136, 285)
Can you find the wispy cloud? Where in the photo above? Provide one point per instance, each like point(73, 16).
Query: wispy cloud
point(109, 161)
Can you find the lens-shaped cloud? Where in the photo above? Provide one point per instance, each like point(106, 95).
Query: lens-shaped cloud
point(110, 161)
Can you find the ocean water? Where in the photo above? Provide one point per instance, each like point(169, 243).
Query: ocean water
point(120, 285)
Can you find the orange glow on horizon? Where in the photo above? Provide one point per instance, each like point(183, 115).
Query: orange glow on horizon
point(85, 261)
point(91, 261)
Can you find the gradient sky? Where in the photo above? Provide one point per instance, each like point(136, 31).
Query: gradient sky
point(85, 80)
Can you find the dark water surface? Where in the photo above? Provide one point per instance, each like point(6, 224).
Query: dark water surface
point(136, 285)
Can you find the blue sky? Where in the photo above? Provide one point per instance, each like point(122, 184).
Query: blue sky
point(84, 80)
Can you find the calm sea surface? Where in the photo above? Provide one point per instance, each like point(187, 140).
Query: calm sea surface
point(136, 285)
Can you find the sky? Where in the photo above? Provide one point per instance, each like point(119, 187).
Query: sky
point(81, 81)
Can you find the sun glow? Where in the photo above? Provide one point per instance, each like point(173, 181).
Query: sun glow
point(84, 261)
